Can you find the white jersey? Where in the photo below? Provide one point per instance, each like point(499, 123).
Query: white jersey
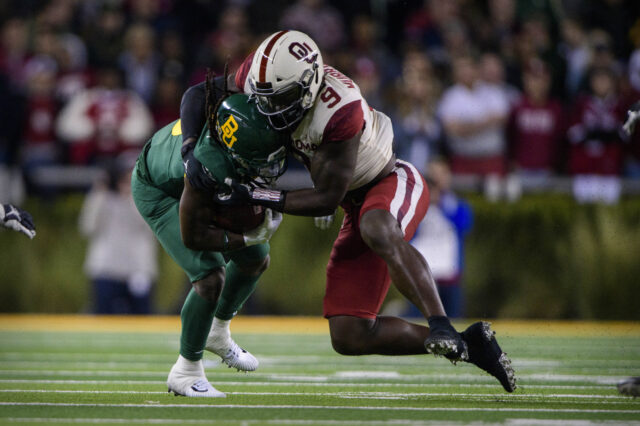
point(339, 113)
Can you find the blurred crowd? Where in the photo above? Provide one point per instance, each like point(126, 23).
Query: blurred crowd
point(497, 88)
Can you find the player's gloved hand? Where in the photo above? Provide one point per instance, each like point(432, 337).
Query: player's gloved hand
point(265, 231)
point(244, 194)
point(324, 222)
point(198, 175)
point(15, 218)
point(633, 115)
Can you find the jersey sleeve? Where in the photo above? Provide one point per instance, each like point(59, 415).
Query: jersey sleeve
point(243, 72)
point(345, 123)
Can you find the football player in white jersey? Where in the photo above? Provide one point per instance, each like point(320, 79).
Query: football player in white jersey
point(347, 148)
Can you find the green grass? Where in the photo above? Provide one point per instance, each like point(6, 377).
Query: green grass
point(109, 378)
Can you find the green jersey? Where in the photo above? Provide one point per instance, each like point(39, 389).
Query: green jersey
point(157, 184)
point(165, 169)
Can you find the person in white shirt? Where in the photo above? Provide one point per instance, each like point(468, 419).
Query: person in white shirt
point(474, 117)
point(121, 257)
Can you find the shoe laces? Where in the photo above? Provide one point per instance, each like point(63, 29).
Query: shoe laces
point(234, 350)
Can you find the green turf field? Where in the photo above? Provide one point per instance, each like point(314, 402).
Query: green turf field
point(78, 377)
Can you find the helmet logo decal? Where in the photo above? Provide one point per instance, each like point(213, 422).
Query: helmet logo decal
point(265, 55)
point(227, 130)
point(302, 52)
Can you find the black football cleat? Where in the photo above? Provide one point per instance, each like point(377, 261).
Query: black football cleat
point(447, 343)
point(630, 386)
point(485, 353)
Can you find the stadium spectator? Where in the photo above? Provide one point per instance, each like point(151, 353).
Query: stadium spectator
point(427, 25)
point(474, 117)
point(576, 53)
point(104, 121)
point(140, 61)
point(14, 49)
point(536, 39)
point(498, 31)
point(440, 237)
point(492, 74)
point(372, 67)
point(228, 43)
point(40, 145)
point(318, 19)
point(417, 131)
point(634, 63)
point(104, 34)
point(166, 102)
point(148, 40)
point(121, 257)
point(73, 76)
point(595, 152)
point(537, 125)
point(11, 113)
point(173, 56)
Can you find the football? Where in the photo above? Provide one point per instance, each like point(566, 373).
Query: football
point(237, 219)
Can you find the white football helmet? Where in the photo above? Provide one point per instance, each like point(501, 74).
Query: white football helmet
point(285, 77)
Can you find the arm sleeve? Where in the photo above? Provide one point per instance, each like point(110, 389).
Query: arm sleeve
point(92, 210)
point(192, 115)
point(192, 108)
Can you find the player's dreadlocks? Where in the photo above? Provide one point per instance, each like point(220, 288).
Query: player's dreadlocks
point(212, 109)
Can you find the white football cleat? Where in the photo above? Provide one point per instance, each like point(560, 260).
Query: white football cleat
point(187, 378)
point(232, 354)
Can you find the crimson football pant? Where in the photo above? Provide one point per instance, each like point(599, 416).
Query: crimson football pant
point(357, 278)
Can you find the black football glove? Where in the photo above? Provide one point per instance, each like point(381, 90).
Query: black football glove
point(237, 193)
point(15, 218)
point(198, 175)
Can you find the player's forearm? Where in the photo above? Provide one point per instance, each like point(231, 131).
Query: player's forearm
point(197, 234)
point(209, 238)
point(311, 202)
point(195, 228)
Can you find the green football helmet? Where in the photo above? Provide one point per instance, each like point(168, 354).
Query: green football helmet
point(258, 151)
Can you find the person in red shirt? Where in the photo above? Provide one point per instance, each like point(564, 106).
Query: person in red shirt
point(104, 121)
point(536, 125)
point(596, 149)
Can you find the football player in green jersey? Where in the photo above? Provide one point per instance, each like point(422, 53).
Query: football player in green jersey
point(172, 186)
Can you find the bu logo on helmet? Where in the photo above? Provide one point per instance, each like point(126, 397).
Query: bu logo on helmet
point(227, 130)
point(301, 51)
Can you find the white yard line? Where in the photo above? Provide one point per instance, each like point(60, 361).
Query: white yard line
point(518, 421)
point(106, 361)
point(546, 377)
point(308, 384)
point(342, 394)
point(241, 422)
point(301, 359)
point(319, 407)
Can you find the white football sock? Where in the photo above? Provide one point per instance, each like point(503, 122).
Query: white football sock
point(186, 366)
point(220, 329)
